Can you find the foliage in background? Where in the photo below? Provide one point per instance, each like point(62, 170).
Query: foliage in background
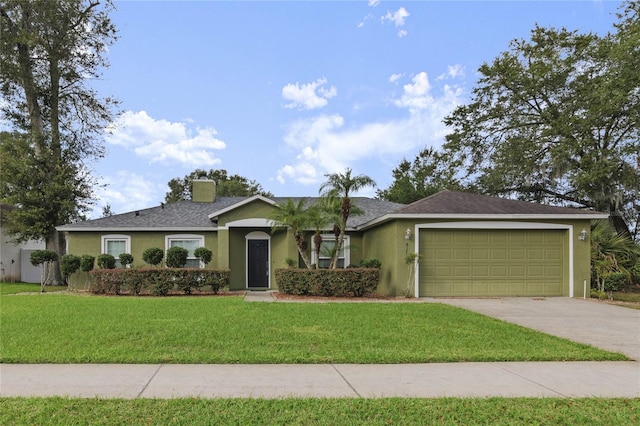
point(226, 186)
point(427, 174)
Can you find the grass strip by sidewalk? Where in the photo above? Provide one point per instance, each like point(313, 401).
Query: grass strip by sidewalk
point(66, 328)
point(401, 411)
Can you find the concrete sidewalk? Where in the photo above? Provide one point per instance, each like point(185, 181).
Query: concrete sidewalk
point(505, 379)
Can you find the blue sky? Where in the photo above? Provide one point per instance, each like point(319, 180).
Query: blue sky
point(285, 92)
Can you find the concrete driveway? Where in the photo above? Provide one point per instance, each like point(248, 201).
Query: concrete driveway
point(610, 327)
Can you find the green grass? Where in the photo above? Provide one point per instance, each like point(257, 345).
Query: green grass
point(67, 328)
point(409, 411)
point(14, 288)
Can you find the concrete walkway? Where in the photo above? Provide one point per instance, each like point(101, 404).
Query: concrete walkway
point(510, 379)
point(605, 326)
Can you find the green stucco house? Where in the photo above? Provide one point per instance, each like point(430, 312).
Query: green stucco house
point(467, 244)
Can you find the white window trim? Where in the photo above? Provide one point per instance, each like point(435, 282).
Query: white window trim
point(116, 237)
point(199, 238)
point(332, 237)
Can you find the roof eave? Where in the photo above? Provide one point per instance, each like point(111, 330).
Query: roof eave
point(412, 216)
point(136, 229)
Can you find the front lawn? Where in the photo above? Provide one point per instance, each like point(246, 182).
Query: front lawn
point(67, 328)
point(351, 411)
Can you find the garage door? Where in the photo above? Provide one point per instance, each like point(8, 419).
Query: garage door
point(491, 262)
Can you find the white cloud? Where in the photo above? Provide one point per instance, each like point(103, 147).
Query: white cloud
point(374, 3)
point(397, 17)
point(304, 173)
point(402, 33)
point(161, 141)
point(308, 96)
point(127, 191)
point(453, 71)
point(327, 144)
point(395, 77)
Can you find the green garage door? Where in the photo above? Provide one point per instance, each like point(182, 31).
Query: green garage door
point(491, 262)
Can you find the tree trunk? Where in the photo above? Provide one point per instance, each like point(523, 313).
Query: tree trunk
point(53, 275)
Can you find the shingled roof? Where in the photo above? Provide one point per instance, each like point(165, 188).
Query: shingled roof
point(191, 216)
point(456, 202)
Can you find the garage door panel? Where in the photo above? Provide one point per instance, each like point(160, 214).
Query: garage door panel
point(494, 262)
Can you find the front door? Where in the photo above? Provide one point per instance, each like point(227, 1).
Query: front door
point(258, 263)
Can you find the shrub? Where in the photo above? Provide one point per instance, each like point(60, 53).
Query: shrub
point(204, 254)
point(106, 280)
point(86, 262)
point(125, 259)
point(38, 257)
point(158, 282)
point(614, 281)
point(370, 263)
point(69, 264)
point(355, 282)
point(177, 257)
point(153, 256)
point(106, 261)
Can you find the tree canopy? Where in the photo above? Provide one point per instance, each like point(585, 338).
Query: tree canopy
point(555, 119)
point(226, 186)
point(49, 53)
point(427, 174)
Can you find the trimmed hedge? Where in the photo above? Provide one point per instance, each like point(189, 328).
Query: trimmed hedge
point(355, 282)
point(158, 282)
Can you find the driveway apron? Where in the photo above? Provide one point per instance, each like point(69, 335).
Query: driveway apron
point(605, 326)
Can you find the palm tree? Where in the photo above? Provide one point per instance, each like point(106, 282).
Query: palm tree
point(318, 219)
point(294, 216)
point(611, 251)
point(342, 185)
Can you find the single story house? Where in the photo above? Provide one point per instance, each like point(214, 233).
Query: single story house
point(466, 244)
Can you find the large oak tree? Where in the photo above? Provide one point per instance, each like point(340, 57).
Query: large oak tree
point(556, 119)
point(50, 52)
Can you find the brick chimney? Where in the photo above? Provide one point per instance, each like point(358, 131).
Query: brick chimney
point(203, 190)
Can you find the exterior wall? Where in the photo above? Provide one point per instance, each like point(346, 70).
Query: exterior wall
point(81, 243)
point(387, 244)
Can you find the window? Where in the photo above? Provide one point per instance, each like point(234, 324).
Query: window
point(327, 249)
point(115, 245)
point(189, 242)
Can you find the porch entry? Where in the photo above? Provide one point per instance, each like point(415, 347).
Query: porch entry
point(258, 260)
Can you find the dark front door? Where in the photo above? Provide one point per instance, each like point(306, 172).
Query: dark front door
point(258, 263)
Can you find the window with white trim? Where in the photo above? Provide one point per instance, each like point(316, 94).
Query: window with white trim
point(188, 242)
point(115, 245)
point(327, 248)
